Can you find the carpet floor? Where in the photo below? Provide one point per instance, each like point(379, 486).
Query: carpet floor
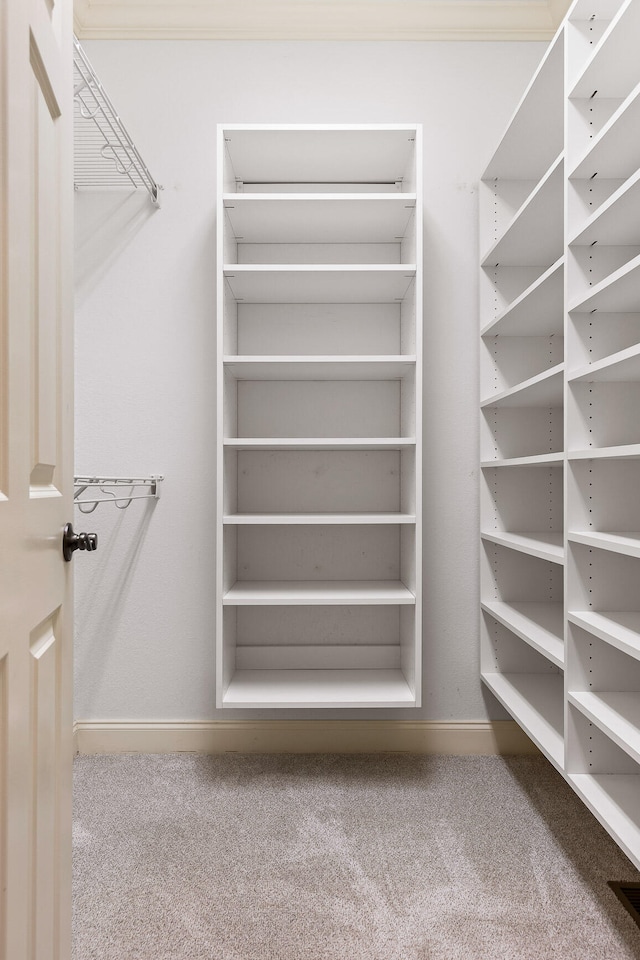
point(394, 857)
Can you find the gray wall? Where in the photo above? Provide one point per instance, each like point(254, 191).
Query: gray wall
point(145, 357)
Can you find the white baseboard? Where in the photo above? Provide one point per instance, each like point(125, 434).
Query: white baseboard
point(486, 738)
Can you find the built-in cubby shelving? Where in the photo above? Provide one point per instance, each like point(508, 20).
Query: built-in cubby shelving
point(560, 413)
point(319, 371)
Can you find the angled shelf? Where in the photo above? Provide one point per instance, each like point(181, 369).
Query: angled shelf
point(630, 451)
point(617, 293)
point(616, 222)
point(612, 67)
point(540, 624)
point(539, 460)
point(543, 390)
point(620, 367)
point(614, 153)
point(619, 628)
point(614, 799)
point(534, 236)
point(537, 311)
point(627, 543)
point(616, 714)
point(547, 545)
point(536, 702)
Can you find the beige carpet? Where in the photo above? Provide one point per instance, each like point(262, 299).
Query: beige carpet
point(183, 857)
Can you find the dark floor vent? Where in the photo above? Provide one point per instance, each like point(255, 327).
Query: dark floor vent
point(629, 896)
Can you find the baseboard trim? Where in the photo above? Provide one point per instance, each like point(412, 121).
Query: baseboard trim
point(500, 737)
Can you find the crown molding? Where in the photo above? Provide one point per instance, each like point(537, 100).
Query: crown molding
point(318, 19)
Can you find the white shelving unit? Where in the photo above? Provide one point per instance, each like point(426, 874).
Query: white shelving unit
point(319, 373)
point(560, 412)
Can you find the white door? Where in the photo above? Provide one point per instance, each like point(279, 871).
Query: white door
point(36, 478)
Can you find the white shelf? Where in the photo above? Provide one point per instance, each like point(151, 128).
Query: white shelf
point(616, 222)
point(536, 702)
point(630, 451)
point(620, 367)
point(318, 593)
point(540, 624)
point(532, 138)
point(319, 217)
point(320, 153)
point(319, 283)
point(540, 460)
point(546, 545)
point(627, 544)
point(318, 688)
point(320, 368)
point(328, 213)
point(620, 628)
point(612, 67)
point(614, 153)
point(617, 293)
point(544, 390)
point(616, 714)
point(319, 443)
point(537, 312)
point(534, 237)
point(614, 799)
point(317, 518)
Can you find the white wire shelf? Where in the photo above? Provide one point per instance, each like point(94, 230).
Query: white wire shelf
point(105, 156)
point(117, 490)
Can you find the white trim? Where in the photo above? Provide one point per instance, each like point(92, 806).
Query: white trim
point(484, 738)
point(319, 19)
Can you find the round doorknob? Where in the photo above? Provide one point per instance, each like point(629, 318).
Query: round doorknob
point(77, 541)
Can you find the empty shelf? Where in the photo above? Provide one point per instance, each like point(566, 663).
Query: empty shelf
point(539, 460)
point(614, 799)
point(536, 702)
point(612, 69)
point(620, 628)
point(536, 312)
point(319, 368)
point(326, 518)
point(616, 222)
point(620, 367)
point(547, 545)
point(535, 235)
point(544, 390)
point(319, 217)
point(318, 688)
point(319, 283)
point(617, 293)
point(319, 593)
point(627, 543)
point(628, 451)
point(319, 443)
point(320, 153)
point(614, 153)
point(616, 714)
point(539, 624)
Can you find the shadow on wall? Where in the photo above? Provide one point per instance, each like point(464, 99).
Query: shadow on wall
point(101, 595)
point(106, 223)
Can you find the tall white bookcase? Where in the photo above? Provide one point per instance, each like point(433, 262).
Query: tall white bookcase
point(319, 449)
point(560, 412)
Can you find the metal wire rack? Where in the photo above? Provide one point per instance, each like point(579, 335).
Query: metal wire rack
point(116, 490)
point(104, 154)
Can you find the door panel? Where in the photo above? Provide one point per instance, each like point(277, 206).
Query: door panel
point(36, 478)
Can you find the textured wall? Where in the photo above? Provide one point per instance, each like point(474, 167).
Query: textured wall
point(145, 392)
